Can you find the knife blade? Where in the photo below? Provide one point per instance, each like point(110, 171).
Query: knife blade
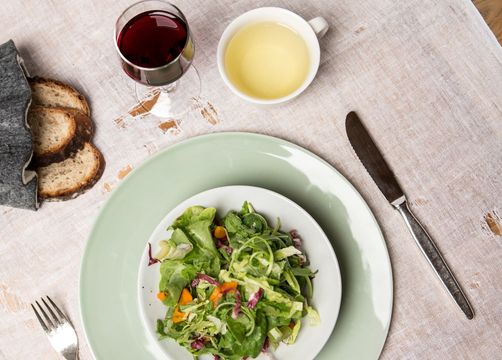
point(371, 157)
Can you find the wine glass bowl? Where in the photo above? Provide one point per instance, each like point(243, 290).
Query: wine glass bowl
point(156, 50)
point(138, 30)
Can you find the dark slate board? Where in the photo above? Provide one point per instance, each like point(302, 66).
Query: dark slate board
point(18, 186)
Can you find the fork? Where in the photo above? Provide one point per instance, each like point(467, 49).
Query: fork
point(58, 328)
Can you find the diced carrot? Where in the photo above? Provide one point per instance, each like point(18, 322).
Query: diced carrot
point(219, 232)
point(178, 316)
point(228, 286)
point(219, 291)
point(162, 295)
point(215, 296)
point(185, 297)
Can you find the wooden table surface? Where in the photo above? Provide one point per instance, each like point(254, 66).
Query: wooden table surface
point(491, 10)
point(424, 75)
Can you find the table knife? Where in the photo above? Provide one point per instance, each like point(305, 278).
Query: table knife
point(377, 167)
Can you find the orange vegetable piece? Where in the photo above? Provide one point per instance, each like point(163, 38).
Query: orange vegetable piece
point(178, 316)
point(222, 289)
point(215, 296)
point(219, 232)
point(228, 286)
point(162, 295)
point(185, 297)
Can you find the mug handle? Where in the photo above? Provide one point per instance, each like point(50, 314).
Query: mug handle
point(319, 25)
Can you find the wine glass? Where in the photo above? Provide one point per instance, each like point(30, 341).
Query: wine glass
point(156, 49)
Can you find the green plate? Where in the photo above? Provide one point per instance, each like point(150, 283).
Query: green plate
point(108, 294)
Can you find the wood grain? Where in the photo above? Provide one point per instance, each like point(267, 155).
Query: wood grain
point(491, 10)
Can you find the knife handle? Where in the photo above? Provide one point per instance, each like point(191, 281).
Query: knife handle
point(432, 254)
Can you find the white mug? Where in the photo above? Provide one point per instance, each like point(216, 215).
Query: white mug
point(310, 31)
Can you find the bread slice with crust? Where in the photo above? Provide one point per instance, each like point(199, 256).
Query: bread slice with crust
point(71, 177)
point(68, 163)
point(57, 133)
point(49, 92)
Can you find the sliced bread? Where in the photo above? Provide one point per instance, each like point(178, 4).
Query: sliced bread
point(71, 177)
point(48, 92)
point(57, 133)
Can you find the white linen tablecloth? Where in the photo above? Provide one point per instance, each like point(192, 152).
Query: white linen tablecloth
point(424, 75)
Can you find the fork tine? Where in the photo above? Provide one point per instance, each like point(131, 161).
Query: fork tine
point(42, 323)
point(54, 317)
point(60, 313)
point(49, 322)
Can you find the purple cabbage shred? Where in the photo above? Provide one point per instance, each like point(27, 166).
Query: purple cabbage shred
point(197, 344)
point(237, 306)
point(297, 240)
point(266, 345)
point(253, 300)
point(151, 259)
point(204, 277)
point(220, 244)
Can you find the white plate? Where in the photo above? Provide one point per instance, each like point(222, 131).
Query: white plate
point(327, 282)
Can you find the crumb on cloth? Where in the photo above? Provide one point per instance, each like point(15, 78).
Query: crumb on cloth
point(493, 223)
point(124, 171)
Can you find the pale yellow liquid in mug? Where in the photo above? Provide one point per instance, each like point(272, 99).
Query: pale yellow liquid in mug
point(267, 60)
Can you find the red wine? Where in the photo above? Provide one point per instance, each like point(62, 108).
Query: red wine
point(153, 38)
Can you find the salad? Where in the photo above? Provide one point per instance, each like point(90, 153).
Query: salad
point(234, 286)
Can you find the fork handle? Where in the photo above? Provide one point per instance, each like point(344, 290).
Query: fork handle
point(431, 252)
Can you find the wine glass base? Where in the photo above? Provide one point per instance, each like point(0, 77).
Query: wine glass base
point(173, 101)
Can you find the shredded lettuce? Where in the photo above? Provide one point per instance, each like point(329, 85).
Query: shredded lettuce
point(294, 333)
point(313, 316)
point(286, 252)
point(175, 248)
point(241, 293)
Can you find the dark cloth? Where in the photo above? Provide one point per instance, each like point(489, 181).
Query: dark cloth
point(18, 186)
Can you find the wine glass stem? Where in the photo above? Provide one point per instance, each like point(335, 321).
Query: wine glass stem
point(169, 88)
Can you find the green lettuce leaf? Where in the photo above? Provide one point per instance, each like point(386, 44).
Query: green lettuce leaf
point(174, 276)
point(253, 343)
point(195, 223)
point(233, 223)
point(296, 329)
point(254, 223)
point(247, 208)
point(313, 316)
point(175, 248)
